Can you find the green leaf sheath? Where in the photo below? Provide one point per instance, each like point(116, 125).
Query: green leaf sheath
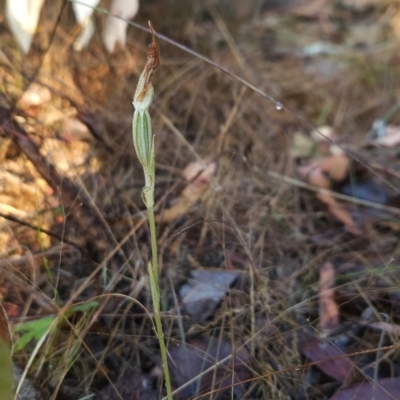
point(142, 137)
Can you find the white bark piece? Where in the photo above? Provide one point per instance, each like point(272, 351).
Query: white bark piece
point(84, 37)
point(115, 28)
point(84, 9)
point(83, 14)
point(23, 17)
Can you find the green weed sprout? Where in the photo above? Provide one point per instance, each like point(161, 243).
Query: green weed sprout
point(143, 141)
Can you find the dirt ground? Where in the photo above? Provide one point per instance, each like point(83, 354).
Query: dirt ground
point(277, 134)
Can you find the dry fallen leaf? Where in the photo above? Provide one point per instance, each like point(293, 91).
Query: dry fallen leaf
point(320, 173)
point(199, 177)
point(204, 291)
point(328, 309)
point(383, 389)
point(328, 357)
point(189, 360)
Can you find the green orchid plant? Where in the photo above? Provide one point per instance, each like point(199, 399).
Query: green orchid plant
point(143, 141)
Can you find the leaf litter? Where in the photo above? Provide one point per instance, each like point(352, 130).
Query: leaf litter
point(311, 258)
point(204, 290)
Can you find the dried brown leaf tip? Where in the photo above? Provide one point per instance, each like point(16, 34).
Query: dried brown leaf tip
point(153, 61)
point(153, 56)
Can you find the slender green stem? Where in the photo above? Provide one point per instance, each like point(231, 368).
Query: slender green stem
point(153, 236)
point(155, 293)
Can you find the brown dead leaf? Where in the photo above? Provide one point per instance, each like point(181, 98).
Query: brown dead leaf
point(328, 357)
point(189, 360)
point(383, 389)
point(328, 309)
point(320, 173)
point(199, 177)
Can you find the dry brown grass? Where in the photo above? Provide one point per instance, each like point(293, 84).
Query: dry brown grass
point(276, 233)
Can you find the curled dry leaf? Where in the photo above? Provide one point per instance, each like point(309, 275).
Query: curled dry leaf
point(199, 177)
point(328, 309)
point(320, 173)
point(153, 62)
